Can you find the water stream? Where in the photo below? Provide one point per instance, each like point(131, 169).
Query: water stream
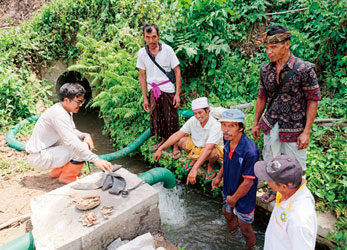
point(189, 218)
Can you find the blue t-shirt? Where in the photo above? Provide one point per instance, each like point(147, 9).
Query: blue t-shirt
point(240, 166)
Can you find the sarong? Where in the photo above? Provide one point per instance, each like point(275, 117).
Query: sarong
point(164, 116)
point(195, 151)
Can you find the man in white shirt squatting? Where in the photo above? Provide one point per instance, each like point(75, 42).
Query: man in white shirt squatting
point(56, 144)
point(201, 137)
point(293, 222)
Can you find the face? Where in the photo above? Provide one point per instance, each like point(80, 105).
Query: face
point(151, 38)
point(74, 104)
point(231, 130)
point(276, 51)
point(201, 115)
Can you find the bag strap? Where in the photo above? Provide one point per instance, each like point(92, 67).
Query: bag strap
point(283, 81)
point(153, 59)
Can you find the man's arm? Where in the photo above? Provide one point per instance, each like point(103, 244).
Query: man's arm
point(169, 142)
point(178, 86)
point(143, 85)
point(259, 109)
point(242, 190)
point(311, 112)
point(191, 178)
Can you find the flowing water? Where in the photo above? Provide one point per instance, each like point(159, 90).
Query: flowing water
point(189, 218)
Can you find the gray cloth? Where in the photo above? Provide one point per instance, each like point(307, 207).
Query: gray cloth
point(98, 184)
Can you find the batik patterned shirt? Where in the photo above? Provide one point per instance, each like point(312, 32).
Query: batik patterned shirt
point(289, 108)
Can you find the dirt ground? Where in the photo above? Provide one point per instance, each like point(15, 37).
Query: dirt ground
point(12, 12)
point(16, 190)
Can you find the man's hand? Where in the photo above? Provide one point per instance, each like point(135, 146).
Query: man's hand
point(216, 182)
point(191, 178)
point(145, 105)
point(157, 155)
point(88, 139)
point(303, 140)
point(230, 201)
point(255, 131)
point(104, 165)
point(176, 100)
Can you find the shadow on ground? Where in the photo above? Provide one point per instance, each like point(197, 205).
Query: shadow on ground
point(40, 182)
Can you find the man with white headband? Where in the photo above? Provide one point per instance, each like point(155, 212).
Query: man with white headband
point(201, 137)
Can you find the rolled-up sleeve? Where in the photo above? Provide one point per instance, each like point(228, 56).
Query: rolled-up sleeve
point(310, 85)
point(187, 127)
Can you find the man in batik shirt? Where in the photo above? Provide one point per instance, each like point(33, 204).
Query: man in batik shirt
point(287, 123)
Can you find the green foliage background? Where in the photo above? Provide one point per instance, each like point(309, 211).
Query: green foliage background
point(214, 42)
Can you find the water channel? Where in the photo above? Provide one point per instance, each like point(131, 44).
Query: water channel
point(189, 218)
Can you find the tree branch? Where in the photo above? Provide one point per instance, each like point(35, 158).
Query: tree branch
point(284, 12)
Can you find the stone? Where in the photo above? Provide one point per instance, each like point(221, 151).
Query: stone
point(115, 244)
point(326, 222)
point(143, 242)
point(56, 220)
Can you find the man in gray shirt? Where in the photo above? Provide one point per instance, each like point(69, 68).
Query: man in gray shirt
point(56, 143)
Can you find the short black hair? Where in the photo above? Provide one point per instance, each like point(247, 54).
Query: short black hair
point(242, 126)
point(147, 27)
point(277, 29)
point(70, 91)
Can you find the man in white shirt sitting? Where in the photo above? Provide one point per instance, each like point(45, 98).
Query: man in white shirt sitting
point(293, 222)
point(201, 137)
point(56, 144)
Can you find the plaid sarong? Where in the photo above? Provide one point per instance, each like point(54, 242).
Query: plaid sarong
point(164, 116)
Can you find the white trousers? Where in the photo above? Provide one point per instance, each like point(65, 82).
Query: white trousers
point(53, 157)
point(273, 147)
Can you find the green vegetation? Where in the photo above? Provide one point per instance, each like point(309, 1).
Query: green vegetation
point(214, 42)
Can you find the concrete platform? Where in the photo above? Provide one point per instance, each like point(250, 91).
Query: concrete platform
point(56, 222)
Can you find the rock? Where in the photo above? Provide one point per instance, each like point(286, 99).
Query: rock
point(143, 242)
point(115, 244)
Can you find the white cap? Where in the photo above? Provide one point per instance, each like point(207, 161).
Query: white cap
point(200, 103)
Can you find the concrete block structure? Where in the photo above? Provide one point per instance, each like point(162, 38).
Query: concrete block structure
point(56, 224)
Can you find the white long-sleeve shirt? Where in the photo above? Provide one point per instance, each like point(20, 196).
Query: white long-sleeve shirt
point(56, 127)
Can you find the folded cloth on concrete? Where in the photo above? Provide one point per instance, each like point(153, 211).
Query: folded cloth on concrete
point(118, 184)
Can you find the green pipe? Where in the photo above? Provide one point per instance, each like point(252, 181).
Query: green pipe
point(12, 142)
point(24, 242)
point(10, 135)
point(152, 176)
point(159, 174)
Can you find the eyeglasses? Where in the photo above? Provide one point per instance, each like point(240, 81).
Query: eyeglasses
point(79, 102)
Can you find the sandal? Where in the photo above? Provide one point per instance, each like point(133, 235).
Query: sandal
point(188, 167)
point(208, 177)
point(156, 146)
point(266, 198)
point(176, 155)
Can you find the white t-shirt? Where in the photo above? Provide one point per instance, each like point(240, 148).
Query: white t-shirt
point(210, 133)
point(56, 127)
point(166, 58)
point(293, 223)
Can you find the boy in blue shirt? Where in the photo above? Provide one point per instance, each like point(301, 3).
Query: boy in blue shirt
point(239, 180)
